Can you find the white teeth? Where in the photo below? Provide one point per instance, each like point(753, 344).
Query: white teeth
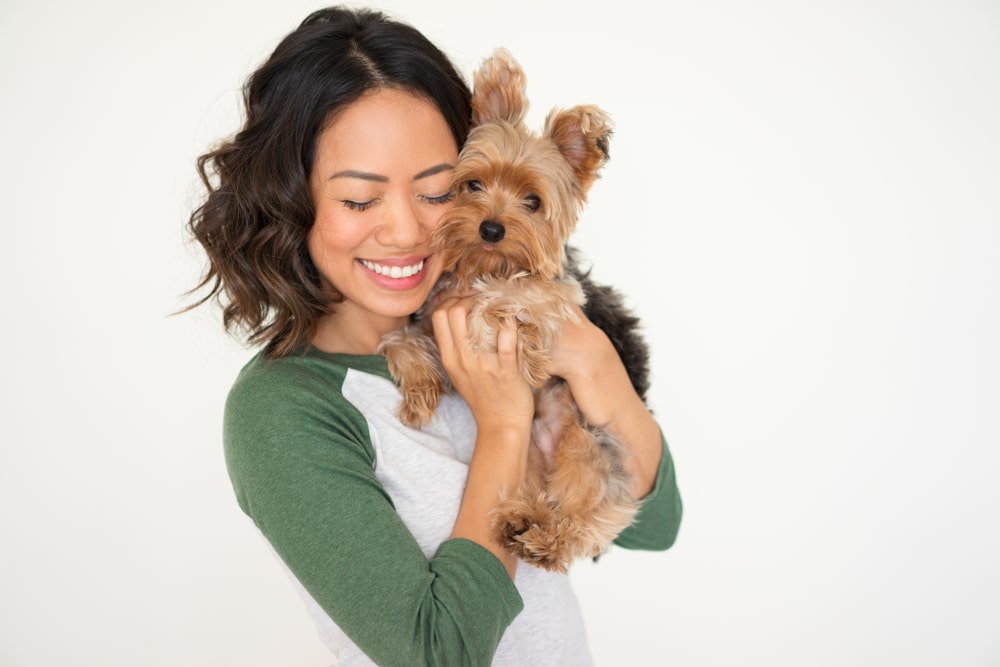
point(394, 271)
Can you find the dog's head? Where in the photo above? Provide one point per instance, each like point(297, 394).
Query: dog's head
point(518, 193)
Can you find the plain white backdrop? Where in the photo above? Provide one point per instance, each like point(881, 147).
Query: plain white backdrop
point(802, 204)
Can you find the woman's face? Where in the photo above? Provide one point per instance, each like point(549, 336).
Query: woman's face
point(380, 182)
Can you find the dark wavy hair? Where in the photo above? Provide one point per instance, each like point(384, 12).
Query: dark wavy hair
point(255, 221)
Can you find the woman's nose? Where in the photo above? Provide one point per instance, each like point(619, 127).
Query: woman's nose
point(400, 227)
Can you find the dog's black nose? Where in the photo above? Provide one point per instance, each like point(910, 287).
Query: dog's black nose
point(490, 231)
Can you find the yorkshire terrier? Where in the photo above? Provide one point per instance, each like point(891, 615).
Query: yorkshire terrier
point(518, 197)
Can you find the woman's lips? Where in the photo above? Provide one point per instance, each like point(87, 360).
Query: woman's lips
point(396, 273)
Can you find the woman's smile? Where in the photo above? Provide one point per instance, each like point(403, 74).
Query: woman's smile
point(396, 273)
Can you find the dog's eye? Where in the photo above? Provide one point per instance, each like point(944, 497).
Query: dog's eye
point(474, 186)
point(532, 203)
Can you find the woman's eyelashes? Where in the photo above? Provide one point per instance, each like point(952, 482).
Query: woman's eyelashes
point(440, 199)
point(360, 206)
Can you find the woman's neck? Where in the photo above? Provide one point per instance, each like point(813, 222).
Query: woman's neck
point(344, 332)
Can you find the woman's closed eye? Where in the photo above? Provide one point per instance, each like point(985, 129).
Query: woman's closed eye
point(439, 199)
point(358, 205)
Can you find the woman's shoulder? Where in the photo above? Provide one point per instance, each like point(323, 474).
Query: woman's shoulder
point(299, 393)
point(287, 423)
point(308, 371)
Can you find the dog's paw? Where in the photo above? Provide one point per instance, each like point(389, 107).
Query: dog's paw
point(418, 404)
point(542, 546)
point(535, 534)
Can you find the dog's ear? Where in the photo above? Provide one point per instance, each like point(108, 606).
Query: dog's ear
point(583, 135)
point(499, 90)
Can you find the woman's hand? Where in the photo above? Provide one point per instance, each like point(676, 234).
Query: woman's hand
point(490, 382)
point(585, 357)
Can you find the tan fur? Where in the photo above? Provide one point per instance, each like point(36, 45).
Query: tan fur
point(575, 500)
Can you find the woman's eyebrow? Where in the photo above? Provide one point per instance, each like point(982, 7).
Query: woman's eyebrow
point(363, 175)
point(436, 169)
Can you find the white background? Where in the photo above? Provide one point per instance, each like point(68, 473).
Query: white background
point(802, 204)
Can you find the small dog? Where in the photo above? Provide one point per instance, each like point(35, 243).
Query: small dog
point(519, 195)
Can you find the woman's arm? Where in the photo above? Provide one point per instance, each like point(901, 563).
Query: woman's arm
point(503, 406)
point(302, 465)
point(586, 359)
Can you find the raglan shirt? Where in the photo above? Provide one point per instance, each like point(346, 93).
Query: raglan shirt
point(360, 508)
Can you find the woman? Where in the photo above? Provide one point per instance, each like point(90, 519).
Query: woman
point(317, 227)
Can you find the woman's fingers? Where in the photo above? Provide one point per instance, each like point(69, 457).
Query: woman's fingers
point(450, 322)
point(507, 344)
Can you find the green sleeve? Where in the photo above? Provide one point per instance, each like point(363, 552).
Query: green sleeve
point(656, 525)
point(304, 474)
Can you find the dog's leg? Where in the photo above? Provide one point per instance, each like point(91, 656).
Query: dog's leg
point(524, 512)
point(585, 503)
point(414, 361)
point(532, 354)
point(592, 489)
